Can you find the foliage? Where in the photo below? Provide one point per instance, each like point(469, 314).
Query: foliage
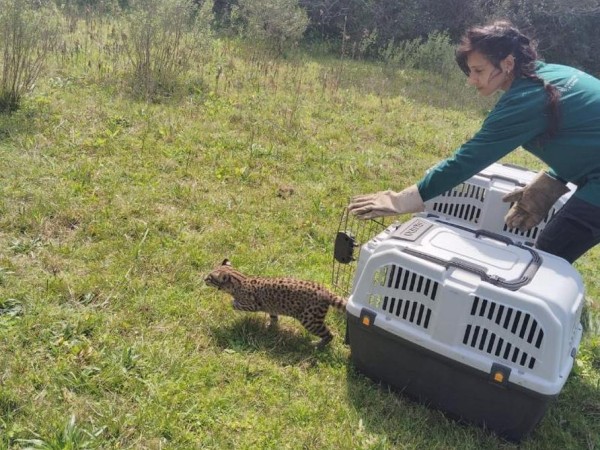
point(277, 24)
point(162, 38)
point(28, 32)
point(434, 54)
point(394, 20)
point(567, 31)
point(87, 7)
point(71, 437)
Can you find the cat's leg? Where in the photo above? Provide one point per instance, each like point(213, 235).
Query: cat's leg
point(325, 340)
point(316, 325)
point(273, 320)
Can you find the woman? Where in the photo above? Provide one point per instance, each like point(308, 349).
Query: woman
point(553, 111)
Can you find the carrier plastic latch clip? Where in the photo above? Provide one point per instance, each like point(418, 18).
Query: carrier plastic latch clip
point(343, 250)
point(367, 318)
point(499, 374)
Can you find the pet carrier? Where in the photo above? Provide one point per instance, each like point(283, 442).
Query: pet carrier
point(465, 321)
point(478, 203)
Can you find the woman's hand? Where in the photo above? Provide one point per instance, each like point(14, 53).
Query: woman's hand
point(532, 203)
point(387, 203)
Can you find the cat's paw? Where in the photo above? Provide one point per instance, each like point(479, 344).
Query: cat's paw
point(273, 322)
point(323, 342)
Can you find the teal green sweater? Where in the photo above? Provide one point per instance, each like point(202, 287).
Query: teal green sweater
point(519, 118)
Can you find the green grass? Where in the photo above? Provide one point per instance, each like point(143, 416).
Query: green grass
point(112, 210)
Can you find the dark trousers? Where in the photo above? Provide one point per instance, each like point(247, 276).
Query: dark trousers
point(572, 231)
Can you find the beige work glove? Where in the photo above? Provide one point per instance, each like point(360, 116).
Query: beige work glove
point(387, 203)
point(533, 202)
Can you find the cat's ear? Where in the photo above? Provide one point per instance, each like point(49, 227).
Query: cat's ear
point(226, 262)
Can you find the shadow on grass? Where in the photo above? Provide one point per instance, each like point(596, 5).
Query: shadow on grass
point(572, 421)
point(576, 412)
point(403, 421)
point(286, 342)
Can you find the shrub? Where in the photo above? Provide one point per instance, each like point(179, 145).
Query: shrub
point(277, 24)
point(435, 54)
point(28, 32)
point(161, 39)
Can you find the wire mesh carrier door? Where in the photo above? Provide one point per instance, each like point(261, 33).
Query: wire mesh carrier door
point(351, 234)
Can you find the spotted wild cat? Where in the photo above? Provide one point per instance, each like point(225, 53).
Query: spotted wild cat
point(304, 300)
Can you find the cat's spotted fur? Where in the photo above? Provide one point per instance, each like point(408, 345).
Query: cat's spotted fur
point(304, 300)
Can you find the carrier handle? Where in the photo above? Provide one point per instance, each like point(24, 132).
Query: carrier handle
point(489, 234)
point(509, 179)
point(511, 285)
point(516, 166)
point(505, 178)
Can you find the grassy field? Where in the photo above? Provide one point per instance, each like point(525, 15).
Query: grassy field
point(113, 209)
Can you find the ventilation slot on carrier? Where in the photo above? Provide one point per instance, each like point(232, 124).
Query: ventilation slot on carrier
point(518, 323)
point(410, 311)
point(466, 190)
point(529, 234)
point(534, 232)
point(407, 281)
point(489, 342)
point(469, 213)
point(405, 294)
point(461, 208)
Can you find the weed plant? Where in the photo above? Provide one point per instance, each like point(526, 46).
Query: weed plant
point(113, 208)
point(161, 39)
point(27, 35)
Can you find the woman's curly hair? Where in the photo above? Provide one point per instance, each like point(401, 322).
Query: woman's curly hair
point(500, 39)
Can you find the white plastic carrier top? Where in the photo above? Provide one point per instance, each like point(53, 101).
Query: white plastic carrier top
point(473, 297)
point(477, 202)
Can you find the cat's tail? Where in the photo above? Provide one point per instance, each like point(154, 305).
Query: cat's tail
point(338, 302)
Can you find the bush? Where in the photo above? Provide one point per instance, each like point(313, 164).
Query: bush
point(434, 54)
point(277, 24)
point(567, 32)
point(27, 34)
point(162, 38)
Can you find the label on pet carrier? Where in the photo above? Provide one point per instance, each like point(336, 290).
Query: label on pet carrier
point(412, 230)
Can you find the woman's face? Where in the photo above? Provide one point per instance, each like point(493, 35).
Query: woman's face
point(486, 77)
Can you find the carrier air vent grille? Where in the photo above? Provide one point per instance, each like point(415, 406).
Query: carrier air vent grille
point(503, 324)
point(402, 279)
point(414, 312)
point(533, 232)
point(489, 342)
point(463, 211)
point(466, 190)
point(458, 202)
point(517, 322)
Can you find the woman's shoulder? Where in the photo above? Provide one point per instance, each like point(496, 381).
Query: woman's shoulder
point(524, 100)
point(564, 77)
point(553, 69)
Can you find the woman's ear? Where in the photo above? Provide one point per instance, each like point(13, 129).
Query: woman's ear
point(508, 64)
